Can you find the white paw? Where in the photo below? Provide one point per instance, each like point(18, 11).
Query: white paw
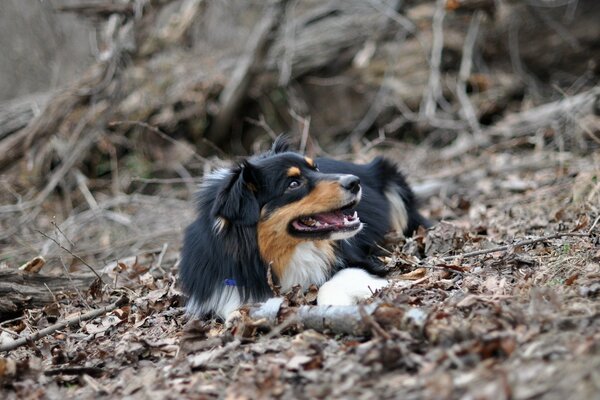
point(233, 318)
point(348, 287)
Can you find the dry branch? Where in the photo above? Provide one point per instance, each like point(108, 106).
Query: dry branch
point(22, 290)
point(528, 122)
point(234, 93)
point(519, 244)
point(63, 324)
point(16, 114)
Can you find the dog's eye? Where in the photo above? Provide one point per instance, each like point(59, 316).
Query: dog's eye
point(294, 184)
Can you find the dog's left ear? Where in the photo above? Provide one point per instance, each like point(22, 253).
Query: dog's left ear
point(281, 144)
point(236, 202)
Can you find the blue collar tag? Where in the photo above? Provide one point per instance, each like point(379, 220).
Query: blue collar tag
point(230, 282)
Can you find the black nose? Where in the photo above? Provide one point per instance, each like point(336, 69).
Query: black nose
point(350, 183)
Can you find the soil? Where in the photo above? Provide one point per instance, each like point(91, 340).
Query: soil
point(516, 324)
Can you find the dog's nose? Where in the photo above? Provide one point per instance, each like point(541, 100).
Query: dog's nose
point(350, 183)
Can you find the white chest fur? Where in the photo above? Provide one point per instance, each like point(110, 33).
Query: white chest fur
point(309, 265)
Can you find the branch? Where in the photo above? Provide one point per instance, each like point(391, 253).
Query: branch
point(518, 244)
point(528, 122)
point(73, 255)
point(235, 91)
point(73, 321)
point(20, 291)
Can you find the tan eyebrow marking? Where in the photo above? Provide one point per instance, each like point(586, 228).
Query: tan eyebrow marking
point(310, 161)
point(293, 171)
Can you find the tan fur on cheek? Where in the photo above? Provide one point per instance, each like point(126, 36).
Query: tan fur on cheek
point(276, 244)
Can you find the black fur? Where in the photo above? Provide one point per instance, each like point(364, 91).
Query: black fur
point(259, 184)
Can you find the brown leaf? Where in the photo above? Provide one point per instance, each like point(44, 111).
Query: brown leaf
point(33, 266)
point(570, 280)
point(582, 222)
point(8, 367)
point(414, 275)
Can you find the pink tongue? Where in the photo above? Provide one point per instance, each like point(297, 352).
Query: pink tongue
point(331, 218)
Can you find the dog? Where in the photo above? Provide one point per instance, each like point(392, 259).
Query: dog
point(303, 221)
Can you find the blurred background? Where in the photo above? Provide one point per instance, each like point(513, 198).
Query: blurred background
point(111, 111)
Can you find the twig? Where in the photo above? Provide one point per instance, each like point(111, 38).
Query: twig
point(72, 254)
point(165, 181)
point(63, 324)
point(305, 121)
point(55, 225)
point(9, 332)
point(163, 251)
point(370, 321)
point(262, 123)
point(9, 321)
point(594, 225)
point(78, 150)
point(517, 244)
point(394, 15)
point(162, 135)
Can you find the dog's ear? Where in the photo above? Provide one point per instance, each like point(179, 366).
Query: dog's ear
point(236, 202)
point(281, 144)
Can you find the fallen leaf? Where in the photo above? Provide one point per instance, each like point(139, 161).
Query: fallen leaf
point(33, 266)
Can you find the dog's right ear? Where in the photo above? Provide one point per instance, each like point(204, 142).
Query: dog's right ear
point(236, 202)
point(281, 144)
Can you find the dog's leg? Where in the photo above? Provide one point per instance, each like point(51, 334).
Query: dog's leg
point(348, 287)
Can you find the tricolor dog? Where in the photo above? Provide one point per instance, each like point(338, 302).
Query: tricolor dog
point(308, 221)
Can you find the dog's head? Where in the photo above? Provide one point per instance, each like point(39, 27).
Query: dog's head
point(288, 198)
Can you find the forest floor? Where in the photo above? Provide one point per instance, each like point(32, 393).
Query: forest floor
point(516, 323)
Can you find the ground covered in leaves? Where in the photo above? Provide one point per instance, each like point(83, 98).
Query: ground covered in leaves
point(519, 322)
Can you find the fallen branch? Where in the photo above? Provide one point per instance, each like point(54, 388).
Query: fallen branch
point(357, 320)
point(73, 321)
point(528, 122)
point(20, 290)
point(518, 244)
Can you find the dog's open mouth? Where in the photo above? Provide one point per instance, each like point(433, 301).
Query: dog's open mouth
point(331, 221)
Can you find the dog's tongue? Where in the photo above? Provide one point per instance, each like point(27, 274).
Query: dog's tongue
point(331, 218)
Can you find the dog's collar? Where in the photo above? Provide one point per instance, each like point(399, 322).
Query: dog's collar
point(230, 282)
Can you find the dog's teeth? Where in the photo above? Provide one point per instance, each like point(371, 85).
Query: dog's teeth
point(317, 223)
point(355, 215)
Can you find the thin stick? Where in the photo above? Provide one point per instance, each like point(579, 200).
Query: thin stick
point(517, 244)
point(63, 324)
point(594, 225)
point(305, 121)
point(72, 254)
point(162, 135)
point(165, 181)
point(370, 321)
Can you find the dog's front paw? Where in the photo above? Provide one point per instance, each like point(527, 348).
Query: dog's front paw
point(348, 287)
point(233, 318)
